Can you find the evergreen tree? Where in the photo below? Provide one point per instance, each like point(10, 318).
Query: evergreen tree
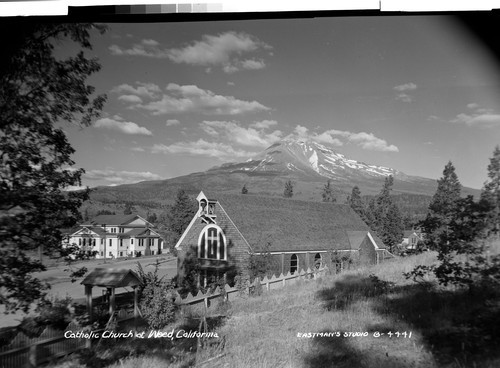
point(176, 219)
point(392, 229)
point(384, 217)
point(39, 90)
point(288, 192)
point(441, 209)
point(447, 193)
point(356, 202)
point(105, 212)
point(129, 209)
point(328, 193)
point(86, 215)
point(151, 217)
point(384, 200)
point(490, 195)
point(244, 190)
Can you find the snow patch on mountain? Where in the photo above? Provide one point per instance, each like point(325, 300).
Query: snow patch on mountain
point(313, 160)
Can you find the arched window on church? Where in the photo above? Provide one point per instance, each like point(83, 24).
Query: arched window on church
point(294, 263)
point(212, 243)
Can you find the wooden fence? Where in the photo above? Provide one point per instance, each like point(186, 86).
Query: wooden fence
point(24, 351)
point(271, 283)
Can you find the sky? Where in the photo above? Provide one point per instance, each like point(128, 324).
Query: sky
point(406, 92)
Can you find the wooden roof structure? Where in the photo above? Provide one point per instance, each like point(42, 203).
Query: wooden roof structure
point(112, 278)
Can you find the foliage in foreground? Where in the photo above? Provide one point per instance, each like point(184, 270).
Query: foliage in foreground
point(460, 229)
point(157, 298)
point(37, 91)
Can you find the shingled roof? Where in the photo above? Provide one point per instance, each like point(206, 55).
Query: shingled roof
point(289, 224)
point(111, 277)
point(113, 220)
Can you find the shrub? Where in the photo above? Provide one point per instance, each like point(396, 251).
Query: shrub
point(157, 304)
point(56, 313)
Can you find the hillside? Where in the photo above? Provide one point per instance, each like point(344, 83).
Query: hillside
point(403, 324)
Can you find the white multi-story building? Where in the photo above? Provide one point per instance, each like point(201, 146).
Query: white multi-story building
point(116, 236)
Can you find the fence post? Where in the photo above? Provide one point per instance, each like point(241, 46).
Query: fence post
point(32, 357)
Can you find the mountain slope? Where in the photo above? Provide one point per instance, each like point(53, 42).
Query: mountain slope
point(313, 162)
point(308, 164)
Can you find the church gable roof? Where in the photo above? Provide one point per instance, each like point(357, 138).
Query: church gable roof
point(288, 224)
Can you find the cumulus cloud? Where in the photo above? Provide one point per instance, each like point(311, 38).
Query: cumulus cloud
point(253, 64)
point(201, 147)
point(143, 90)
point(404, 97)
point(367, 141)
point(264, 124)
point(224, 50)
point(133, 99)
point(190, 98)
point(125, 127)
point(478, 117)
point(402, 91)
point(120, 177)
point(481, 120)
point(252, 136)
point(172, 122)
point(147, 48)
point(406, 87)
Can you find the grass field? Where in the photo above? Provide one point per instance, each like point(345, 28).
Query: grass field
point(449, 328)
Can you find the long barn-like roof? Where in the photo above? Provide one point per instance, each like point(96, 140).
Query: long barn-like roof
point(288, 224)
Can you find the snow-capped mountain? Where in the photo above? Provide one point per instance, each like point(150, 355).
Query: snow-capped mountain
point(308, 164)
point(310, 159)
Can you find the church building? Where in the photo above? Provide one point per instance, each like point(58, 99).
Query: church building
point(228, 229)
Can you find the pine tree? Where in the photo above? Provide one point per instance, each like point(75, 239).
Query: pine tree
point(379, 208)
point(129, 209)
point(384, 198)
point(151, 217)
point(490, 195)
point(447, 193)
point(244, 190)
point(392, 228)
point(442, 208)
point(288, 192)
point(384, 217)
point(356, 202)
point(177, 217)
point(328, 193)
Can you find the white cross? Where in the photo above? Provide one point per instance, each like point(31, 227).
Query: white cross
point(211, 239)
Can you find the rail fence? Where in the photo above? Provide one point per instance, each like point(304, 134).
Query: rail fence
point(270, 283)
point(24, 351)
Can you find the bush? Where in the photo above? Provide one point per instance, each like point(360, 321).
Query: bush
point(56, 313)
point(158, 304)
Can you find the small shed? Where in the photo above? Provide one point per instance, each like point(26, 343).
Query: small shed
point(111, 278)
